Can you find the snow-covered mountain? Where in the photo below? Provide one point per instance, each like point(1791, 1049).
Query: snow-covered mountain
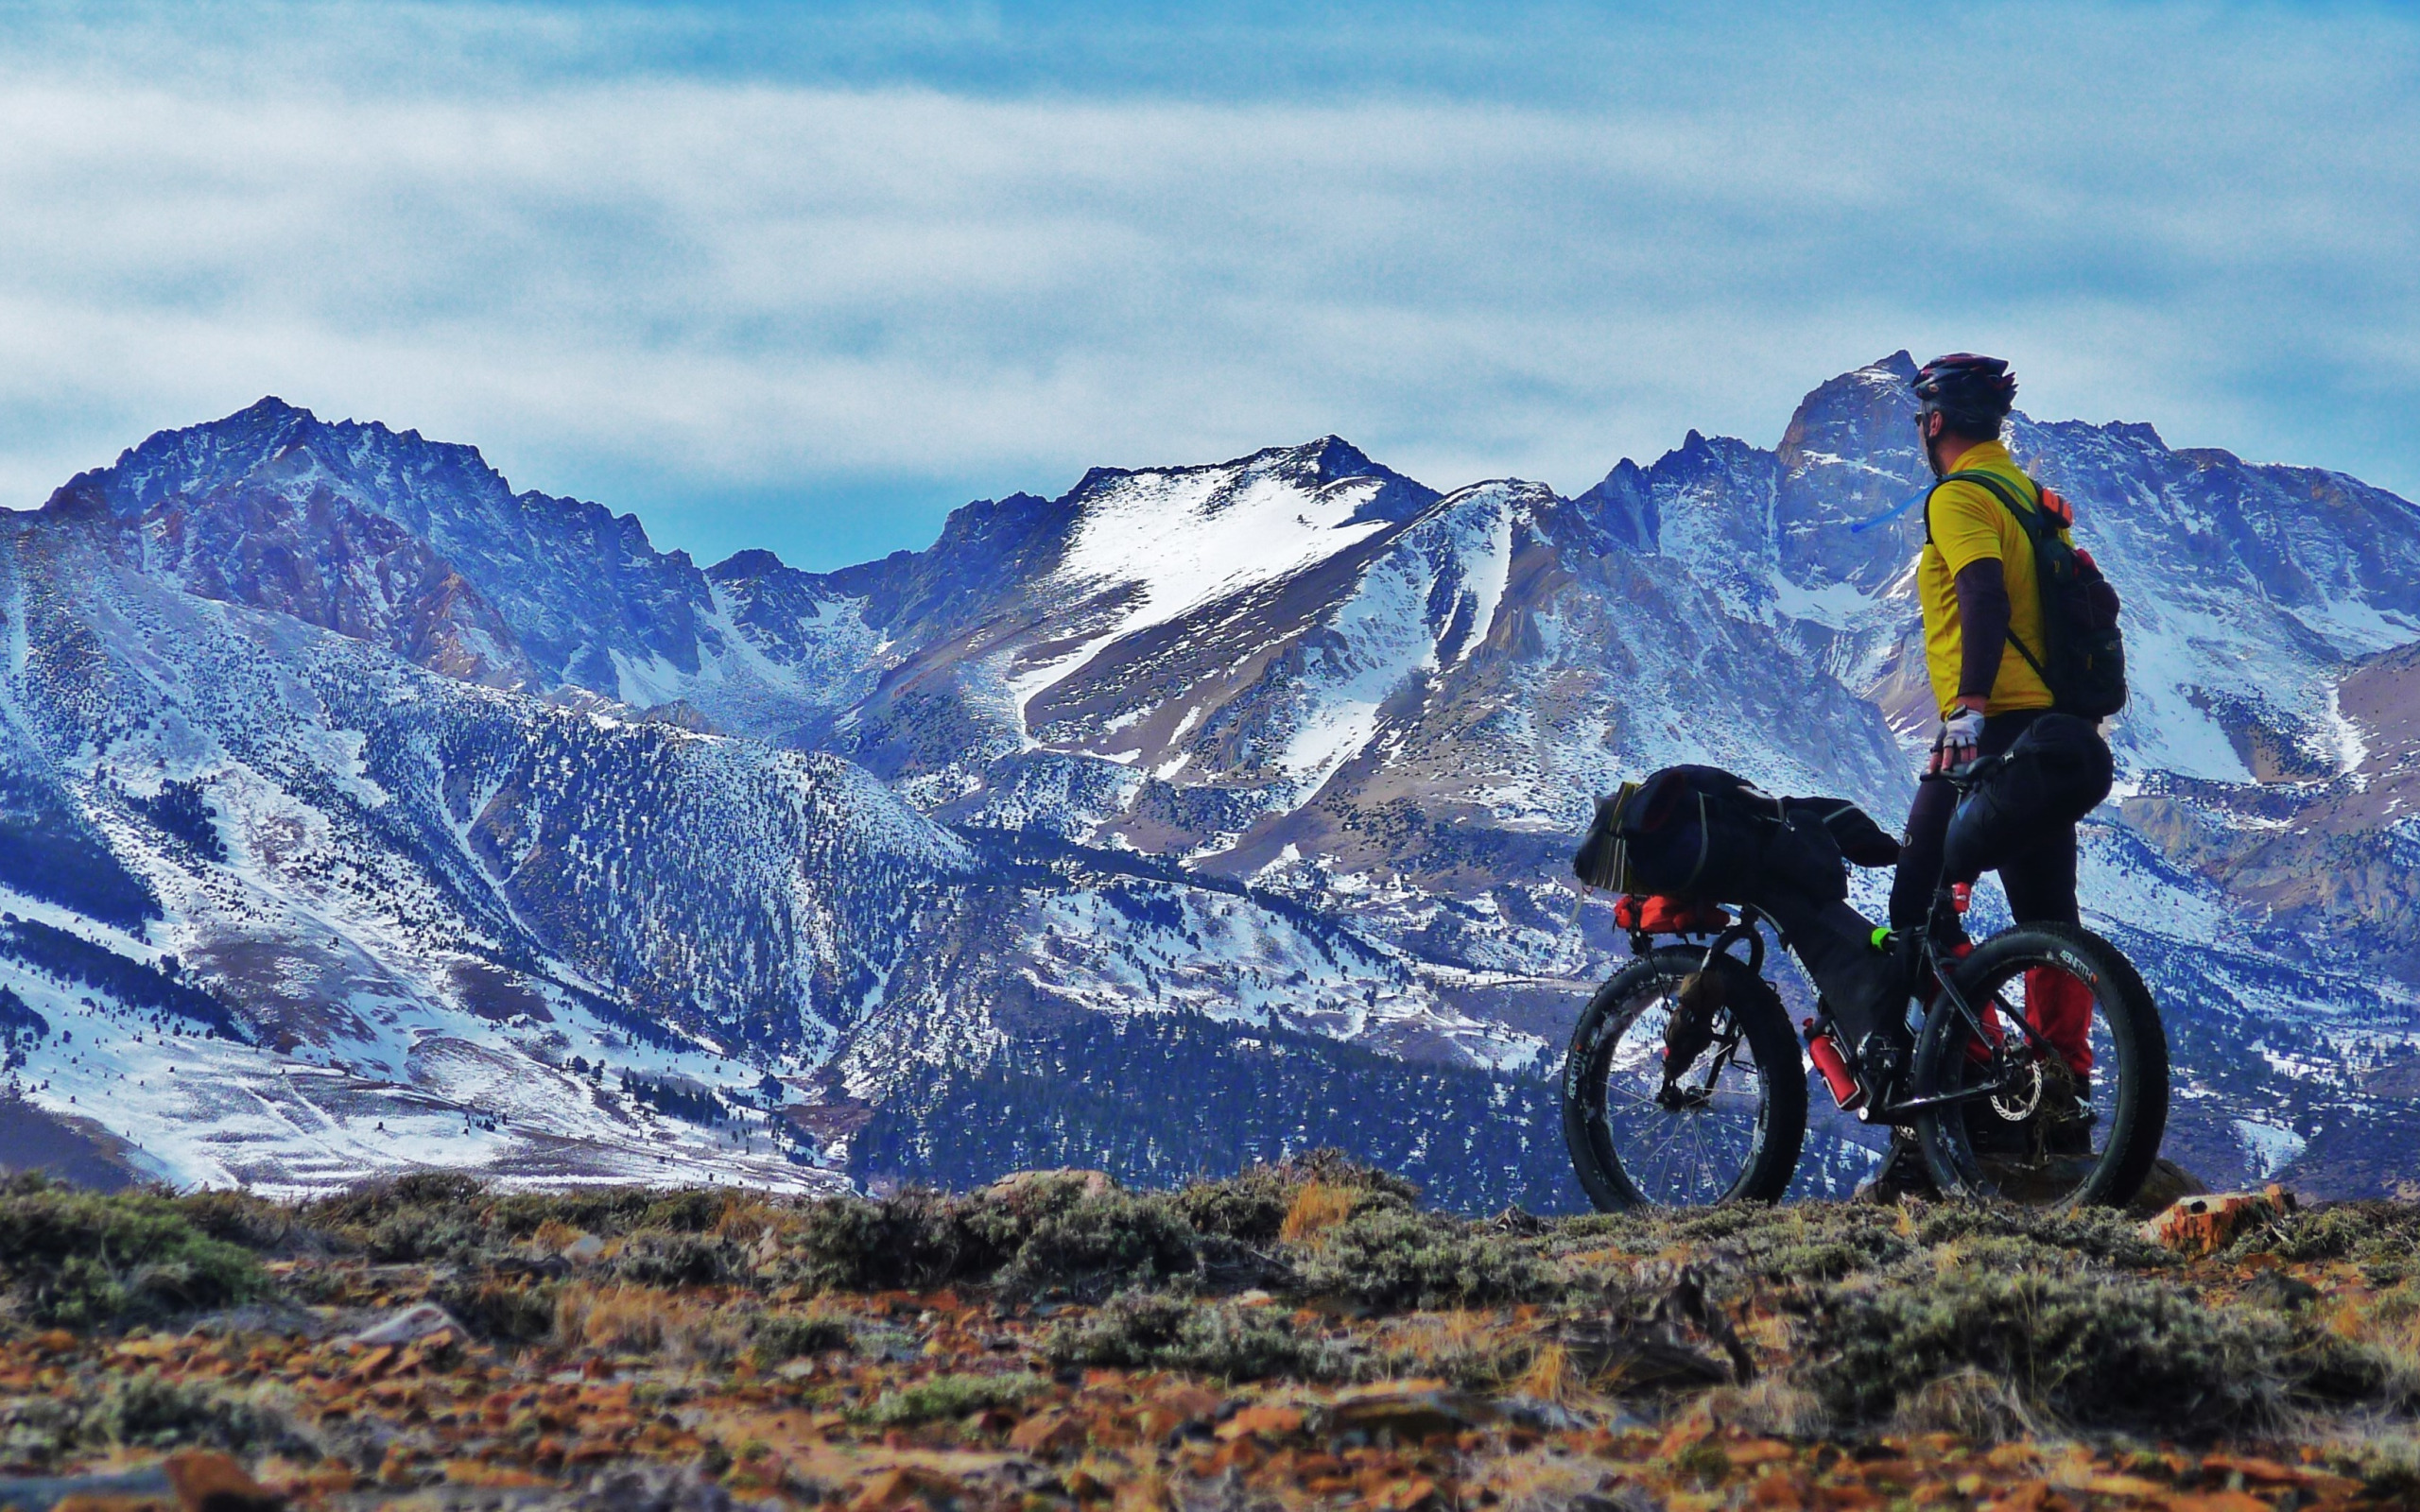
point(1258, 776)
point(284, 907)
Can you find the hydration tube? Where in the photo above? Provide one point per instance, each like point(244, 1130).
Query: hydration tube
point(1888, 515)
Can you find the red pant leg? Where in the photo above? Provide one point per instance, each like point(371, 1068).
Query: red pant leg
point(2060, 1008)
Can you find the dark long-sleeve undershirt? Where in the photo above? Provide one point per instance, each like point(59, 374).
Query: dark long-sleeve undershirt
point(1982, 626)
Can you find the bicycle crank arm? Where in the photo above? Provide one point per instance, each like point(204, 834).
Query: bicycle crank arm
point(1918, 1105)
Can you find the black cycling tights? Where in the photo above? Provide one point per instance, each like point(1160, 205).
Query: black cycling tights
point(2040, 881)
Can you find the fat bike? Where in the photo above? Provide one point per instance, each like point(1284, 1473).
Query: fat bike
point(2036, 1070)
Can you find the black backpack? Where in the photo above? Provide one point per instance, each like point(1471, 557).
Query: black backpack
point(2084, 662)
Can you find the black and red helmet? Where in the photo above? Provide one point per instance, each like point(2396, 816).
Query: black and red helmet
point(1975, 393)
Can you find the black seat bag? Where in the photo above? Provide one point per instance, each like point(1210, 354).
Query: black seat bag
point(2055, 772)
point(1703, 833)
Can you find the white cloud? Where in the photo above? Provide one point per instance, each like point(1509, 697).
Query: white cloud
point(641, 285)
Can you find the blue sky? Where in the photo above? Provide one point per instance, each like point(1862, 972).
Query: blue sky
point(806, 277)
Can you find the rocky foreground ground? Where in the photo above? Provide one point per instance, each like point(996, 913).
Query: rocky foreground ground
point(1301, 1336)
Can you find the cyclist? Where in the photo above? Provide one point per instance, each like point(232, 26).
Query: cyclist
point(1976, 580)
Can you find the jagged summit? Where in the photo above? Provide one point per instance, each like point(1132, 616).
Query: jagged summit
point(1314, 465)
point(194, 459)
point(372, 524)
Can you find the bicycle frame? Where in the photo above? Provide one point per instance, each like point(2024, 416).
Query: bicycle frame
point(1934, 957)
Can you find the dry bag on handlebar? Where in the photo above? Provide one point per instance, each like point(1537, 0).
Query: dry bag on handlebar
point(1703, 833)
point(2057, 771)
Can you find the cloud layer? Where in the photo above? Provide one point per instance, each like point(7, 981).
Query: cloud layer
point(809, 306)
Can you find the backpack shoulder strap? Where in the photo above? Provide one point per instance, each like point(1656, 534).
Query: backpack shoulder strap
point(2031, 518)
point(2032, 522)
point(1993, 484)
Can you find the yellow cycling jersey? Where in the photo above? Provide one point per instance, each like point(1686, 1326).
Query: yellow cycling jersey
point(1965, 523)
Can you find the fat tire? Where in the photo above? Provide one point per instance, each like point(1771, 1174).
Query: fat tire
point(1781, 1125)
point(2140, 1117)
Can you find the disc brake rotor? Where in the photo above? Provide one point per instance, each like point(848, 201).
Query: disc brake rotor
point(2022, 1095)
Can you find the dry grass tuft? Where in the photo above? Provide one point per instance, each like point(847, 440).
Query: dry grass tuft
point(1147, 1492)
point(1465, 1347)
point(1976, 1406)
point(554, 1235)
point(2388, 1324)
point(1317, 1207)
point(746, 1222)
point(1550, 1376)
point(1772, 1407)
point(642, 1320)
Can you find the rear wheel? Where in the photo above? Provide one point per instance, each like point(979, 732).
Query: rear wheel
point(1723, 1127)
point(2079, 1106)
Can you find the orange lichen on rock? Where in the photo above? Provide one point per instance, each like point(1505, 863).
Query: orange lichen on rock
point(2206, 1223)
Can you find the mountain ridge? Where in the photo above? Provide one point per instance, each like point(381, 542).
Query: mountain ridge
point(1290, 741)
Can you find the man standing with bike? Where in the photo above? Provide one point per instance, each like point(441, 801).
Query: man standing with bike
point(2038, 1071)
point(1983, 611)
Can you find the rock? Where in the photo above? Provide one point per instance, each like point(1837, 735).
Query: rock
point(1540, 1416)
point(1178, 1410)
point(2204, 1225)
point(2275, 1288)
point(1262, 1422)
point(207, 1482)
point(143, 1488)
point(905, 1484)
point(584, 1250)
point(193, 1481)
point(1048, 1435)
point(2167, 1183)
point(656, 1488)
point(1021, 1183)
point(1408, 1409)
point(416, 1322)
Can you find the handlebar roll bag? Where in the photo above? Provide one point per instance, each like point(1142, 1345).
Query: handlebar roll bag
point(1703, 833)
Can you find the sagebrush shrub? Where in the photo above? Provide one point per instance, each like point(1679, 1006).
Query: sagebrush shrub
point(84, 1259)
point(2107, 1351)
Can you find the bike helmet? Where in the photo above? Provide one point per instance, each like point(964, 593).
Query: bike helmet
point(1976, 393)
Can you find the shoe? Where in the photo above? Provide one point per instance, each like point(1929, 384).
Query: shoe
point(2065, 1116)
point(1902, 1175)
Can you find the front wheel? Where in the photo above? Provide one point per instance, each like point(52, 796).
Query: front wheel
point(1680, 1090)
point(2076, 1106)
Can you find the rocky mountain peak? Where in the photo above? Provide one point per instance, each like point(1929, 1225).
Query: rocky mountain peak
point(753, 562)
point(444, 522)
point(1848, 455)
